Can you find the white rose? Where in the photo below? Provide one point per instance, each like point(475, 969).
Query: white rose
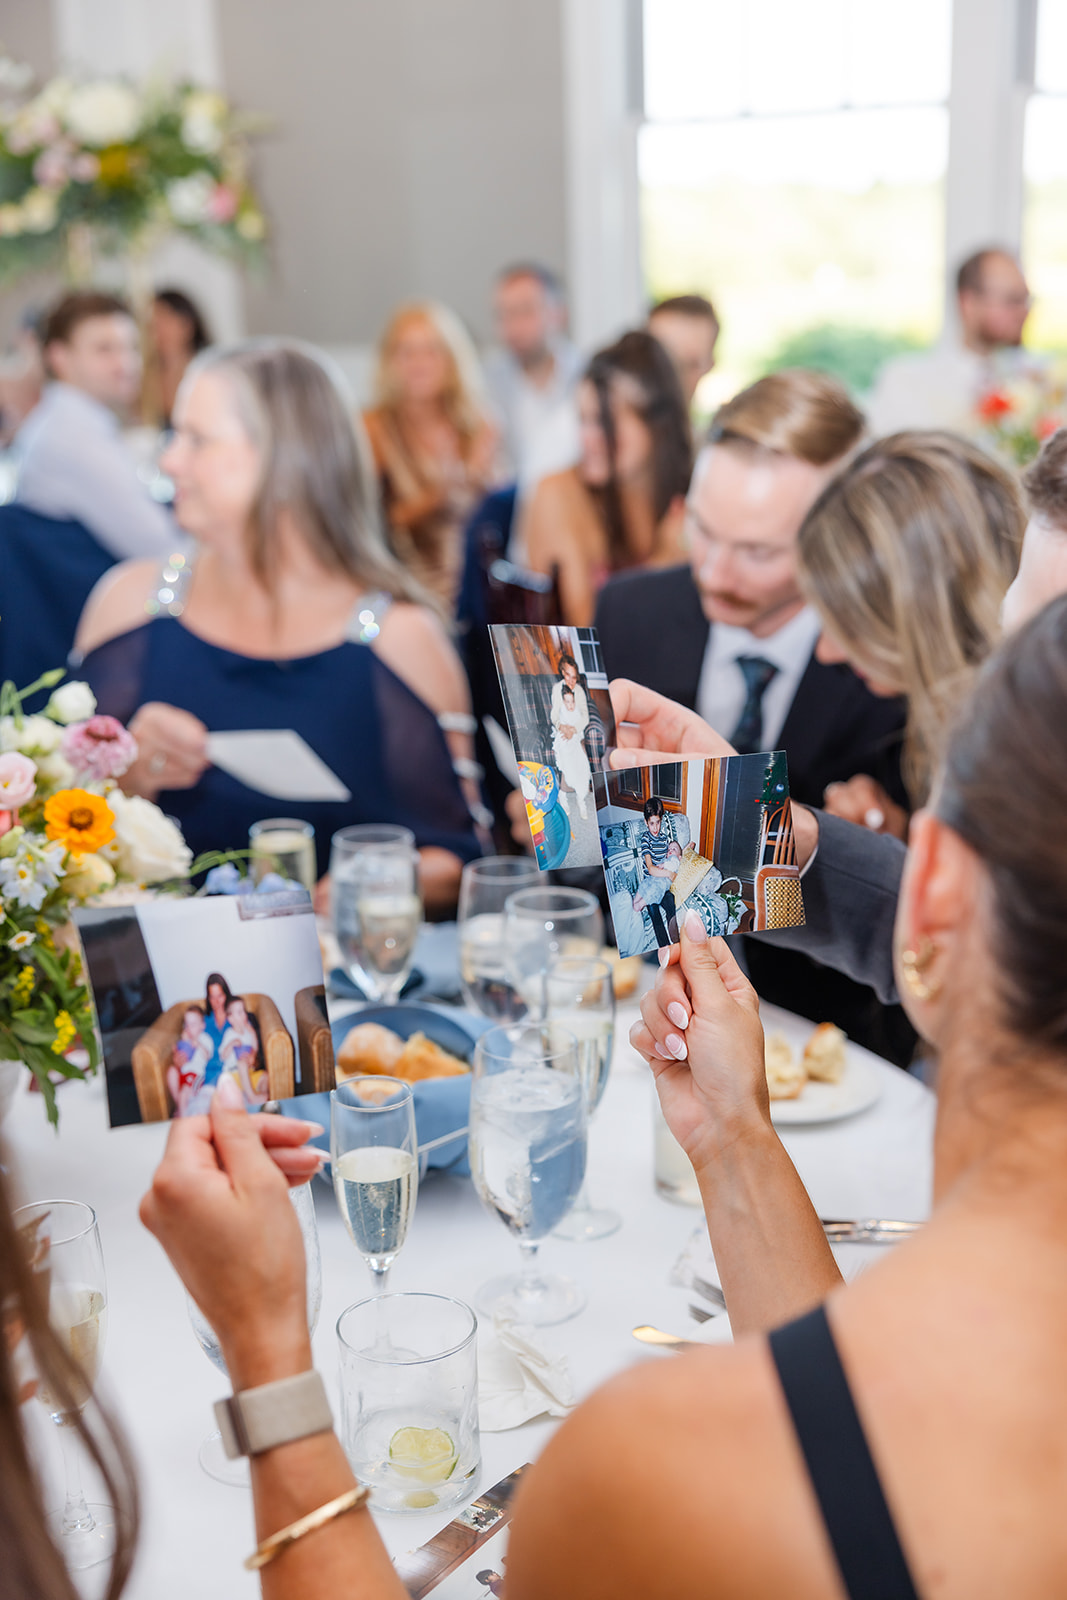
point(71, 702)
point(39, 211)
point(103, 113)
point(54, 771)
point(151, 847)
point(189, 198)
point(202, 117)
point(38, 735)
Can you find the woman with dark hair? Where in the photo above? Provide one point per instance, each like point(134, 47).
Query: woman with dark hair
point(623, 504)
point(294, 615)
point(218, 996)
point(176, 333)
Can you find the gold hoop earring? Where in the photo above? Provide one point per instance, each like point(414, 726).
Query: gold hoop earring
point(913, 964)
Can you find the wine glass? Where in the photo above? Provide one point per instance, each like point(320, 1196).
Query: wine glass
point(346, 847)
point(579, 994)
point(527, 1156)
point(212, 1457)
point(374, 1157)
point(483, 891)
point(389, 910)
point(541, 924)
point(284, 845)
point(64, 1243)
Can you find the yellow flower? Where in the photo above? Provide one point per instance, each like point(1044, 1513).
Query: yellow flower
point(79, 820)
point(66, 1033)
point(22, 987)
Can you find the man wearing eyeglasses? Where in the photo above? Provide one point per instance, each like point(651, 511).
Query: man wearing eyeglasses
point(730, 636)
point(942, 388)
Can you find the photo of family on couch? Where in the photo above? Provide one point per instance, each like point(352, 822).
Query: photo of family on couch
point(559, 714)
point(715, 837)
point(189, 992)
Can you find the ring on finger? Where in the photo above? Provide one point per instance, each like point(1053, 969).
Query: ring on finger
point(157, 762)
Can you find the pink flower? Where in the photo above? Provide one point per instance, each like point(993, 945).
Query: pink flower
point(99, 748)
point(52, 167)
point(18, 779)
point(222, 206)
point(85, 168)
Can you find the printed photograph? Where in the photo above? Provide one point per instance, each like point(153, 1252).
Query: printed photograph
point(562, 726)
point(715, 837)
point(190, 991)
point(467, 1559)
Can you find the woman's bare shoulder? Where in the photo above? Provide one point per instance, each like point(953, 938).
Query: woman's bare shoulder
point(116, 604)
point(415, 643)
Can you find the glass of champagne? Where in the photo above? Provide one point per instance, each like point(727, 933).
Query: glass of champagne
point(374, 1158)
point(64, 1243)
point(347, 848)
point(212, 1457)
point(527, 1156)
point(542, 924)
point(579, 994)
point(284, 845)
point(483, 970)
point(389, 909)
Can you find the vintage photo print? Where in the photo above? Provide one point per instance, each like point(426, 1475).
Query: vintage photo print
point(189, 991)
point(467, 1560)
point(562, 726)
point(715, 837)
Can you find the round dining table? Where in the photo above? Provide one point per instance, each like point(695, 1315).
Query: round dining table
point(196, 1531)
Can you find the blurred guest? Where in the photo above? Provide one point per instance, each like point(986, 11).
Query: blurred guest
point(177, 333)
point(907, 557)
point(434, 446)
point(72, 462)
point(940, 388)
point(292, 615)
point(533, 377)
point(623, 505)
point(21, 376)
point(688, 329)
point(1043, 567)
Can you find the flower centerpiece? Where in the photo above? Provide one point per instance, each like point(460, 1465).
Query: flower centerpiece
point(68, 835)
point(1015, 416)
point(99, 164)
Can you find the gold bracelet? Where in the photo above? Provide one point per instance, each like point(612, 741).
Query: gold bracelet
point(349, 1501)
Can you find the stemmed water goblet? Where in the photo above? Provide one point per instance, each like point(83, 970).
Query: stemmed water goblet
point(542, 924)
point(484, 890)
point(375, 863)
point(64, 1244)
point(579, 994)
point(527, 1157)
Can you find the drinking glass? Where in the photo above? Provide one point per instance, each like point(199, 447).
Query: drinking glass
point(389, 909)
point(353, 852)
point(484, 889)
point(579, 994)
point(212, 1457)
point(541, 924)
point(374, 1158)
point(64, 1243)
point(674, 1176)
point(284, 845)
point(409, 1399)
point(527, 1156)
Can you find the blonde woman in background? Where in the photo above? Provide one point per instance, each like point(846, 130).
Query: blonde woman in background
point(907, 557)
point(434, 446)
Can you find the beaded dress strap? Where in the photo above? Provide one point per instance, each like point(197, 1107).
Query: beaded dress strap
point(365, 623)
point(171, 589)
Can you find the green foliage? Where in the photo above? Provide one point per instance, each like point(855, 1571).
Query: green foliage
point(852, 355)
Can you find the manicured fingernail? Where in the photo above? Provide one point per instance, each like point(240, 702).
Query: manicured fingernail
point(678, 1014)
point(314, 1128)
point(635, 1028)
point(695, 930)
point(676, 1045)
point(664, 1055)
point(663, 954)
point(229, 1095)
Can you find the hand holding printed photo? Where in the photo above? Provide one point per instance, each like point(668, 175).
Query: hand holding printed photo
point(715, 837)
point(562, 726)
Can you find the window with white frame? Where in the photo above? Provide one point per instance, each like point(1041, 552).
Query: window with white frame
point(792, 167)
point(1045, 173)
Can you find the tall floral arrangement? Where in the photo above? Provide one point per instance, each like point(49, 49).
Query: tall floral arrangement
point(1014, 417)
point(100, 165)
point(68, 835)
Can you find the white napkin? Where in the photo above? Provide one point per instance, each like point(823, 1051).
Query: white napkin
point(518, 1379)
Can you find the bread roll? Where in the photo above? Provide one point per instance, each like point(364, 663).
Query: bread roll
point(421, 1058)
point(625, 973)
point(786, 1076)
point(824, 1054)
point(369, 1047)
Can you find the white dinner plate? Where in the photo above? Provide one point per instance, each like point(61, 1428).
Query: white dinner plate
point(828, 1102)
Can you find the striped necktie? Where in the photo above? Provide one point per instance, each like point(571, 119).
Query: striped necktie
point(757, 673)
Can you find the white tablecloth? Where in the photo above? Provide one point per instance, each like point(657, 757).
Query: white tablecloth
point(196, 1531)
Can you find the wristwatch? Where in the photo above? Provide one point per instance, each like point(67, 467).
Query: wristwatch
point(272, 1414)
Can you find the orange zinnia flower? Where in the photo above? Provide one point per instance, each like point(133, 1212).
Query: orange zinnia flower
point(80, 820)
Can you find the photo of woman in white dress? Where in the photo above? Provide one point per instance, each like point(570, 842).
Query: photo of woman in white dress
point(570, 718)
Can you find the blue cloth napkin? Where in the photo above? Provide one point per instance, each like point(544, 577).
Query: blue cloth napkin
point(434, 975)
point(442, 1105)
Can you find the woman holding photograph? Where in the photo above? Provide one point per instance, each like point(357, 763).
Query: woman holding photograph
point(291, 614)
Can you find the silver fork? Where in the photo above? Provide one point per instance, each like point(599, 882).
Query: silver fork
point(710, 1291)
point(702, 1314)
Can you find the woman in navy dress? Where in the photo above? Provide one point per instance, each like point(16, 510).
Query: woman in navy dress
point(290, 614)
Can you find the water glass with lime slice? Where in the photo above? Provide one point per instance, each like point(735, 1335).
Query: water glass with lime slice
point(409, 1399)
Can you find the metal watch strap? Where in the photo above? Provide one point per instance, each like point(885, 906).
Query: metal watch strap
point(276, 1413)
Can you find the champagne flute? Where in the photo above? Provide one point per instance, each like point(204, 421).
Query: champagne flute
point(346, 847)
point(212, 1457)
point(374, 1158)
point(483, 892)
point(542, 924)
point(389, 910)
point(579, 994)
point(284, 845)
point(64, 1242)
point(527, 1156)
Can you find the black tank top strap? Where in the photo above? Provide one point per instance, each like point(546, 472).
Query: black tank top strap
point(843, 1474)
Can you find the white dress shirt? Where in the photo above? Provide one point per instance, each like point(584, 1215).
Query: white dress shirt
point(540, 420)
point(721, 693)
point(72, 463)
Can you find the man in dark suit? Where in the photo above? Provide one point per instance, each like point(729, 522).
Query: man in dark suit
point(731, 637)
